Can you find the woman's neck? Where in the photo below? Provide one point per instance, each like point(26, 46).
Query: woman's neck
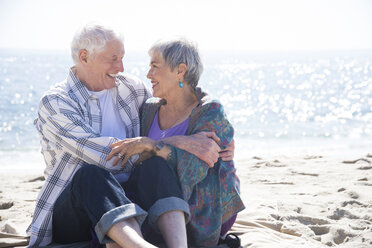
point(177, 108)
point(178, 102)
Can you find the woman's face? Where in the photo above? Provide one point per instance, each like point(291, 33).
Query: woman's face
point(163, 80)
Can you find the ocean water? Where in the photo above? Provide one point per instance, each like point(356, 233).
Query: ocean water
point(278, 102)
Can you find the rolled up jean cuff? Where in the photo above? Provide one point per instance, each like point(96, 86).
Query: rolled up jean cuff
point(116, 215)
point(165, 205)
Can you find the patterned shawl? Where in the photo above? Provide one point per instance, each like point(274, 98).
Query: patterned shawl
point(212, 193)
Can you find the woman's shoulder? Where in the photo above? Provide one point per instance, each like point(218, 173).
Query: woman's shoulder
point(207, 101)
point(212, 104)
point(151, 104)
point(210, 110)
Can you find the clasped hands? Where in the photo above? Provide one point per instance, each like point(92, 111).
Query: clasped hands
point(204, 145)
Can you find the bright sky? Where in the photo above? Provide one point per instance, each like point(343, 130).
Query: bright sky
point(213, 24)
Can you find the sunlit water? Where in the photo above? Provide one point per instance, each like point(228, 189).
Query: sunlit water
point(278, 102)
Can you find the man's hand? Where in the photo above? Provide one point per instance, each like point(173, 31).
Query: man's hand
point(228, 153)
point(126, 148)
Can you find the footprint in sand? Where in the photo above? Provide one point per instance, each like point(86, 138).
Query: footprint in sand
point(319, 230)
point(359, 160)
point(364, 179)
point(306, 220)
point(312, 157)
point(340, 236)
point(365, 168)
point(342, 213)
point(40, 178)
point(353, 194)
point(305, 174)
point(345, 203)
point(257, 158)
point(6, 205)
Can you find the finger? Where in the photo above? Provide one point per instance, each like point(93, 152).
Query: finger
point(125, 160)
point(215, 146)
point(117, 143)
point(116, 160)
point(127, 155)
point(113, 153)
point(226, 156)
point(211, 164)
point(110, 155)
point(224, 153)
point(213, 136)
point(227, 159)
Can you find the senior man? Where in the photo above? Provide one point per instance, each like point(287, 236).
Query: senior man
point(78, 120)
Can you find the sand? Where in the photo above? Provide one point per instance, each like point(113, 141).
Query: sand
point(292, 201)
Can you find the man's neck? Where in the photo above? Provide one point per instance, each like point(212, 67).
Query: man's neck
point(83, 78)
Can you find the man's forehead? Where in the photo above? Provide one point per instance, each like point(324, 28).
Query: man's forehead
point(113, 49)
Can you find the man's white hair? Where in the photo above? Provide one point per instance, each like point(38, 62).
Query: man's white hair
point(93, 38)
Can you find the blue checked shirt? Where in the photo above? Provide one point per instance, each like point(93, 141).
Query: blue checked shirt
point(69, 124)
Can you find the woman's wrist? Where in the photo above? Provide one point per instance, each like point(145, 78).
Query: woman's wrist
point(157, 147)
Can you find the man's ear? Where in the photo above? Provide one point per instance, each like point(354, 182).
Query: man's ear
point(182, 68)
point(83, 56)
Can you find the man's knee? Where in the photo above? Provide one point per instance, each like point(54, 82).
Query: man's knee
point(92, 173)
point(154, 164)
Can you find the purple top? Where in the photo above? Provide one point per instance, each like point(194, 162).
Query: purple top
point(156, 133)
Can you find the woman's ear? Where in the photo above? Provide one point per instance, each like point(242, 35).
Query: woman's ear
point(182, 68)
point(83, 56)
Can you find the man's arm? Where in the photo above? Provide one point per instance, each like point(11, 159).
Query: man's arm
point(61, 124)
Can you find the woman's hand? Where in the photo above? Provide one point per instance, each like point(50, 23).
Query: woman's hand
point(126, 148)
point(227, 154)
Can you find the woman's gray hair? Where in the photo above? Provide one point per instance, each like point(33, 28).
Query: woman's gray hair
point(93, 38)
point(175, 52)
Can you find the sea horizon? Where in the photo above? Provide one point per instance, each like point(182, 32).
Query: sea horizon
point(273, 99)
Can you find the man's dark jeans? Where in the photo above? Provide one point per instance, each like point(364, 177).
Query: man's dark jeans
point(94, 199)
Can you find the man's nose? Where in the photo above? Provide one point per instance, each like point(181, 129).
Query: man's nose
point(120, 66)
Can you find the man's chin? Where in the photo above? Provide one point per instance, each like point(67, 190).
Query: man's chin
point(110, 83)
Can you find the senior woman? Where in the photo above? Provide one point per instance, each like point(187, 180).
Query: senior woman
point(179, 107)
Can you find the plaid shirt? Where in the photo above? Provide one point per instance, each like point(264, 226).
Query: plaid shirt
point(69, 124)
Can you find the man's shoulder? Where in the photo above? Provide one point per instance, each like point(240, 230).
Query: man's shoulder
point(58, 89)
point(56, 93)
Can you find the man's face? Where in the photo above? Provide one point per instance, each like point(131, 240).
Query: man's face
point(103, 66)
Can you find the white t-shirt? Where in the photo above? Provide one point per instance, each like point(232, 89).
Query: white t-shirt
point(112, 125)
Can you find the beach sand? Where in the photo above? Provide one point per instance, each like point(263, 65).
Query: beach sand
point(294, 201)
